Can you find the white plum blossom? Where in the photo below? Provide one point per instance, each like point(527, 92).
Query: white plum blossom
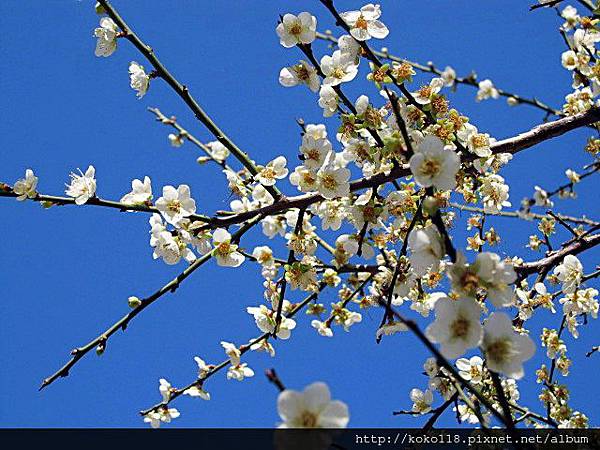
point(232, 352)
point(315, 151)
point(421, 400)
point(305, 179)
point(449, 76)
point(162, 414)
point(494, 193)
point(434, 165)
point(426, 249)
point(364, 24)
point(477, 143)
point(424, 95)
point(176, 204)
point(295, 30)
point(315, 131)
point(569, 273)
point(197, 391)
point(585, 41)
point(25, 187)
point(265, 321)
point(328, 100)
point(239, 372)
point(83, 186)
point(349, 46)
point(170, 248)
point(141, 192)
point(224, 251)
point(263, 255)
point(487, 90)
point(390, 328)
point(312, 408)
point(456, 327)
point(573, 176)
point(107, 37)
point(273, 171)
point(273, 226)
point(139, 80)
point(471, 369)
point(331, 214)
point(569, 13)
point(338, 68)
point(322, 328)
point(301, 73)
point(218, 151)
point(262, 196)
point(333, 182)
point(203, 368)
point(165, 389)
point(505, 351)
point(488, 272)
point(541, 198)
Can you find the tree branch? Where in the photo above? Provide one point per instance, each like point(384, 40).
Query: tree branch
point(183, 92)
point(122, 323)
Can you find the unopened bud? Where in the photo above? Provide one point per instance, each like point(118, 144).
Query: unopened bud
point(512, 101)
point(430, 205)
point(134, 302)
point(203, 159)
point(100, 350)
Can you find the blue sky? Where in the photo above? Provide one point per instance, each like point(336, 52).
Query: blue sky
point(67, 272)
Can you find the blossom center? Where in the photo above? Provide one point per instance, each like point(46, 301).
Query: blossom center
point(174, 206)
point(224, 248)
point(425, 92)
point(499, 351)
point(470, 281)
point(308, 178)
point(308, 419)
point(301, 72)
point(329, 181)
point(430, 167)
point(313, 154)
point(460, 327)
point(268, 173)
point(379, 75)
point(338, 72)
point(361, 23)
point(480, 140)
point(296, 29)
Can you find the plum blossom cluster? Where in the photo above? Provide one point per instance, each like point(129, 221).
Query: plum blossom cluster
point(371, 221)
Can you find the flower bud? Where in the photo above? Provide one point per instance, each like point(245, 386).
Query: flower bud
point(430, 205)
point(134, 302)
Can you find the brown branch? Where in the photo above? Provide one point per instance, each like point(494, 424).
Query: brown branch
point(469, 80)
point(182, 91)
point(512, 145)
point(122, 323)
point(593, 350)
point(243, 349)
point(548, 4)
point(553, 259)
point(443, 362)
point(515, 214)
point(6, 191)
point(439, 411)
point(274, 378)
point(170, 121)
